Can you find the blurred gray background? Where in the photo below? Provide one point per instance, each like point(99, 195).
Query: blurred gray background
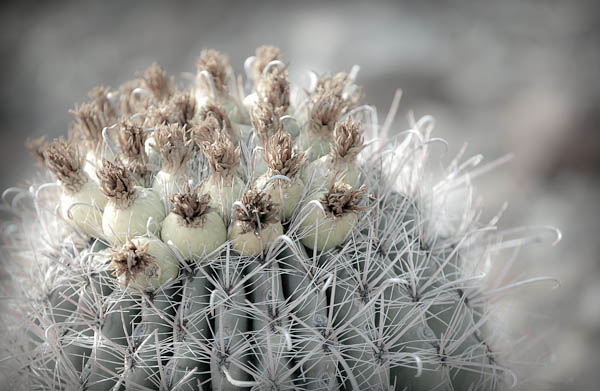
point(506, 76)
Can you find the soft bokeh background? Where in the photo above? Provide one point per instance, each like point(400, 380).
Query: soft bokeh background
point(505, 76)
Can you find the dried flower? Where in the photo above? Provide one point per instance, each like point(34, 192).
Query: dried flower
point(66, 164)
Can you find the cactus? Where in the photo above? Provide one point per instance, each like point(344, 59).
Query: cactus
point(225, 239)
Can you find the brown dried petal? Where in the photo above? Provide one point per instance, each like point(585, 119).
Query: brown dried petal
point(191, 207)
point(182, 108)
point(116, 183)
point(348, 140)
point(341, 86)
point(212, 120)
point(131, 140)
point(156, 115)
point(156, 80)
point(130, 103)
point(281, 156)
point(212, 110)
point(89, 122)
point(265, 120)
point(222, 156)
point(131, 260)
point(341, 199)
point(173, 146)
point(258, 211)
point(276, 88)
point(65, 163)
point(37, 146)
point(264, 55)
point(99, 96)
point(325, 112)
point(216, 64)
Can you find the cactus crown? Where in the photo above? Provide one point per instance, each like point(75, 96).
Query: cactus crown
point(116, 183)
point(64, 161)
point(191, 207)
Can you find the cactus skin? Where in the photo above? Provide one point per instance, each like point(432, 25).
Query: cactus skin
point(400, 304)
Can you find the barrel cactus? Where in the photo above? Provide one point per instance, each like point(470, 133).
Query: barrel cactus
point(251, 237)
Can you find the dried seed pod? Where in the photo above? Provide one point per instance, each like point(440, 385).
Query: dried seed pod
point(144, 264)
point(283, 159)
point(341, 161)
point(176, 150)
point(224, 185)
point(194, 228)
point(212, 85)
point(130, 207)
point(82, 202)
point(328, 226)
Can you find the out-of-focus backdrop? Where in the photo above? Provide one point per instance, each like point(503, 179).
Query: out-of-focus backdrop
point(505, 76)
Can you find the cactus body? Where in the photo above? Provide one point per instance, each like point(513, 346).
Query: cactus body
point(364, 279)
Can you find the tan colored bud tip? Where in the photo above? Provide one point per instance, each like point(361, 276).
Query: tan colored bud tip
point(191, 207)
point(325, 112)
point(341, 86)
point(130, 103)
point(258, 211)
point(64, 161)
point(212, 120)
point(130, 260)
point(156, 115)
point(182, 108)
point(348, 140)
point(157, 82)
point(173, 146)
point(216, 64)
point(37, 146)
point(99, 96)
point(264, 55)
point(341, 199)
point(117, 183)
point(276, 88)
point(281, 156)
point(131, 140)
point(89, 122)
point(265, 121)
point(222, 156)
